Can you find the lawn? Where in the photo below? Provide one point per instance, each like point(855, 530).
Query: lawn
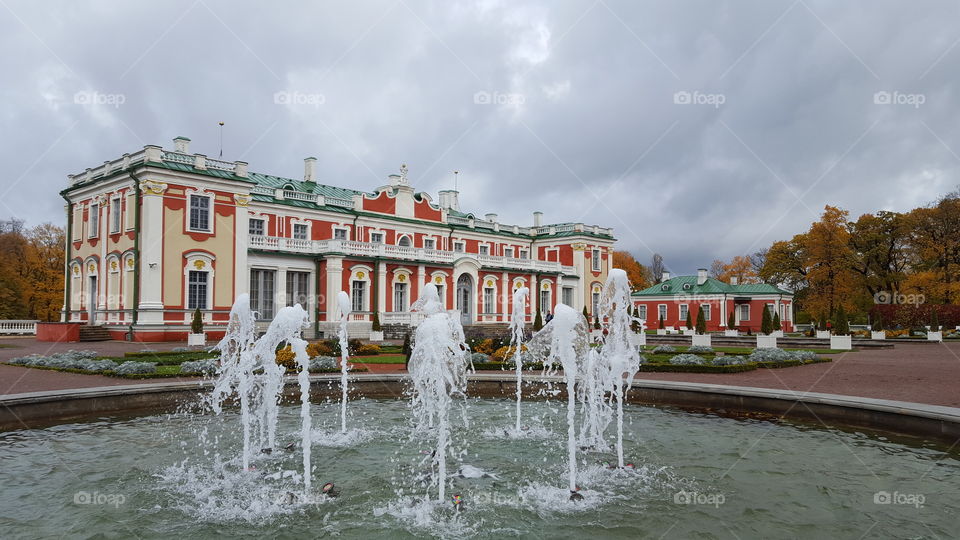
point(380, 359)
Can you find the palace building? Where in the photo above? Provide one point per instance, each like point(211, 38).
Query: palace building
point(156, 234)
point(673, 298)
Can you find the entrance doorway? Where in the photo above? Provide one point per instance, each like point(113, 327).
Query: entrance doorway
point(465, 298)
point(92, 301)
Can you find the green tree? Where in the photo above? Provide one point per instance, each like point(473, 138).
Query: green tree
point(701, 321)
point(841, 326)
point(934, 320)
point(585, 314)
point(375, 326)
point(406, 350)
point(661, 324)
point(731, 321)
point(689, 322)
point(537, 321)
point(877, 324)
point(776, 322)
point(196, 326)
point(596, 322)
point(766, 324)
point(635, 324)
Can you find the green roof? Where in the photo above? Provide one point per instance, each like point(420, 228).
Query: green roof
point(688, 285)
point(306, 187)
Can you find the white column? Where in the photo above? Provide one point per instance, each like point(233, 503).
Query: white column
point(421, 281)
point(534, 302)
point(280, 288)
point(151, 253)
point(334, 285)
point(381, 289)
point(506, 297)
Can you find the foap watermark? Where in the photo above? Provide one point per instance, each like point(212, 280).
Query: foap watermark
point(896, 97)
point(100, 499)
point(92, 97)
point(887, 297)
point(294, 97)
point(496, 498)
point(685, 97)
point(498, 98)
point(699, 499)
point(915, 500)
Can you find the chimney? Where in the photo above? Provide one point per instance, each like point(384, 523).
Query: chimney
point(181, 145)
point(666, 276)
point(491, 217)
point(733, 280)
point(537, 219)
point(448, 199)
point(701, 276)
point(310, 169)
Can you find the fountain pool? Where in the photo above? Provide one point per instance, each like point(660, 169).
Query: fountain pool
point(695, 474)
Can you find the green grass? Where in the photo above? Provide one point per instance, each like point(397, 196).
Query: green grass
point(383, 359)
point(162, 358)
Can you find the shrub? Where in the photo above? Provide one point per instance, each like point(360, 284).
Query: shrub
point(196, 326)
point(842, 325)
point(689, 322)
point(353, 346)
point(728, 361)
point(664, 349)
point(537, 322)
point(661, 325)
point(287, 358)
point(780, 356)
point(585, 314)
point(319, 348)
point(480, 358)
point(407, 348)
point(368, 349)
point(934, 321)
point(699, 349)
point(136, 368)
point(504, 354)
point(204, 367)
point(701, 321)
point(485, 347)
point(635, 323)
point(596, 322)
point(766, 325)
point(180, 349)
point(323, 363)
point(877, 325)
point(687, 360)
point(731, 321)
point(375, 326)
point(776, 322)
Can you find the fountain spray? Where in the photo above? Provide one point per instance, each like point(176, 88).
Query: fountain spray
point(516, 340)
point(344, 302)
point(618, 355)
point(438, 369)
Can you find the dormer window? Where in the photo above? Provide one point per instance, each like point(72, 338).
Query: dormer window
point(664, 287)
point(686, 286)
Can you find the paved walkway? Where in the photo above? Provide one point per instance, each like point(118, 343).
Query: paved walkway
point(921, 372)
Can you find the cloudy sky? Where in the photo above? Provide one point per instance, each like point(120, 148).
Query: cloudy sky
point(697, 129)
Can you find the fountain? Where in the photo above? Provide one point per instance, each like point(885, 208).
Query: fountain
point(344, 303)
point(619, 358)
point(516, 341)
point(562, 343)
point(438, 369)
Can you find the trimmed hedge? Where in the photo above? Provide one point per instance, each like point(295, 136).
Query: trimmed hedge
point(504, 366)
point(674, 368)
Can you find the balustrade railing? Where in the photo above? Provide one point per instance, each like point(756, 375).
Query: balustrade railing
point(18, 327)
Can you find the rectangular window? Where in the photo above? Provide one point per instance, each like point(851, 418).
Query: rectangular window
point(484, 249)
point(358, 296)
point(339, 234)
point(544, 303)
point(400, 297)
point(94, 219)
point(595, 259)
point(662, 312)
point(261, 293)
point(771, 309)
point(706, 312)
point(299, 231)
point(443, 299)
point(508, 252)
point(256, 227)
point(684, 309)
point(429, 243)
point(197, 290)
point(744, 312)
point(524, 254)
point(298, 288)
point(115, 215)
point(376, 237)
point(199, 213)
point(642, 313)
point(488, 300)
point(458, 247)
point(131, 201)
point(567, 295)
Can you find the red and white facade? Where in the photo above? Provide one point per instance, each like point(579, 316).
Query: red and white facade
point(159, 233)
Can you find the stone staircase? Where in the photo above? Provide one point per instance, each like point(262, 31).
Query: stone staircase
point(94, 333)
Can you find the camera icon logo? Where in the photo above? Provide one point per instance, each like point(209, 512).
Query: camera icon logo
point(882, 297)
point(882, 497)
point(82, 497)
point(881, 98)
point(682, 98)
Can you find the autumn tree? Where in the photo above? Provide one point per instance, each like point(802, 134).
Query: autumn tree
point(828, 260)
point(880, 245)
point(740, 267)
point(637, 274)
point(31, 276)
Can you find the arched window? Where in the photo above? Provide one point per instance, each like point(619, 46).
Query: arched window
point(404, 241)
